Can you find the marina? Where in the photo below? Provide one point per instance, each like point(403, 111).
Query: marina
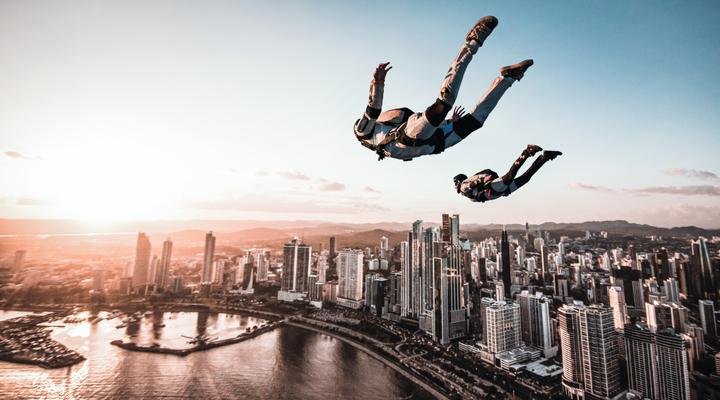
point(24, 340)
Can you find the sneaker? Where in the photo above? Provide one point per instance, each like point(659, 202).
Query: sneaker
point(516, 71)
point(532, 149)
point(481, 30)
point(551, 154)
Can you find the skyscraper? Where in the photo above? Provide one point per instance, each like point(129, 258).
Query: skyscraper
point(702, 276)
point(406, 289)
point(142, 261)
point(707, 317)
point(332, 270)
point(208, 258)
point(616, 298)
point(535, 322)
point(350, 278)
point(161, 276)
point(589, 351)
point(503, 326)
point(296, 266)
point(505, 262)
point(262, 267)
point(450, 228)
point(657, 364)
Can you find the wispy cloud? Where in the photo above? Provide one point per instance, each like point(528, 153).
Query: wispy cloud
point(692, 173)
point(270, 203)
point(701, 190)
point(18, 156)
point(370, 190)
point(294, 175)
point(331, 187)
point(690, 190)
point(680, 215)
point(583, 186)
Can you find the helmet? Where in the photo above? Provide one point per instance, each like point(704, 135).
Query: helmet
point(459, 178)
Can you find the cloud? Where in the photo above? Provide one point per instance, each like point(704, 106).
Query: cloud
point(692, 173)
point(701, 190)
point(18, 156)
point(270, 203)
point(582, 186)
point(332, 187)
point(690, 190)
point(680, 215)
point(294, 175)
point(262, 173)
point(371, 190)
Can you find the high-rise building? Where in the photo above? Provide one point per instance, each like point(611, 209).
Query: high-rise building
point(503, 326)
point(296, 266)
point(616, 299)
point(671, 290)
point(406, 287)
point(449, 304)
point(262, 266)
point(535, 322)
point(332, 270)
point(505, 263)
point(589, 347)
point(450, 229)
point(657, 364)
point(707, 318)
point(375, 291)
point(393, 297)
point(208, 258)
point(702, 277)
point(142, 261)
point(384, 247)
point(163, 271)
point(350, 278)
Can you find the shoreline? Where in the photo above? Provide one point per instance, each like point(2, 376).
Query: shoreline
point(372, 353)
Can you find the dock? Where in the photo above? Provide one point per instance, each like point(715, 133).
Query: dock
point(130, 346)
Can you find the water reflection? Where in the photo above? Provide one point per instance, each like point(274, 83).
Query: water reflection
point(287, 363)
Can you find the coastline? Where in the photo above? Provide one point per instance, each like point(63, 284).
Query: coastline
point(372, 353)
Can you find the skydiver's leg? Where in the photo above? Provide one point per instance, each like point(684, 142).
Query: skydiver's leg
point(423, 125)
point(525, 177)
point(473, 121)
point(527, 153)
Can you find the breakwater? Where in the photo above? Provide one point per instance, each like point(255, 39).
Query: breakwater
point(200, 347)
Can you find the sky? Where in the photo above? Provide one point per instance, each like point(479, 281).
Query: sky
point(117, 110)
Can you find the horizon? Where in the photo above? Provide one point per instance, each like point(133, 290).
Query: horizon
point(168, 226)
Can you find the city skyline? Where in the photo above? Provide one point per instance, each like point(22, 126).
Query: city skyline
point(159, 112)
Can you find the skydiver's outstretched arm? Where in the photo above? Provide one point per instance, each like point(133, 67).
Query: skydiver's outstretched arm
point(364, 126)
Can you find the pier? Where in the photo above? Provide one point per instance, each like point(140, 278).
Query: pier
point(130, 346)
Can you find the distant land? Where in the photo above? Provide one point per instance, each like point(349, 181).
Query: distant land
point(253, 230)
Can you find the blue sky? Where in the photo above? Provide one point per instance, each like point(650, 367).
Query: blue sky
point(117, 110)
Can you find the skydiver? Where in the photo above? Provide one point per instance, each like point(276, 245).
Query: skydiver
point(486, 185)
point(400, 133)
